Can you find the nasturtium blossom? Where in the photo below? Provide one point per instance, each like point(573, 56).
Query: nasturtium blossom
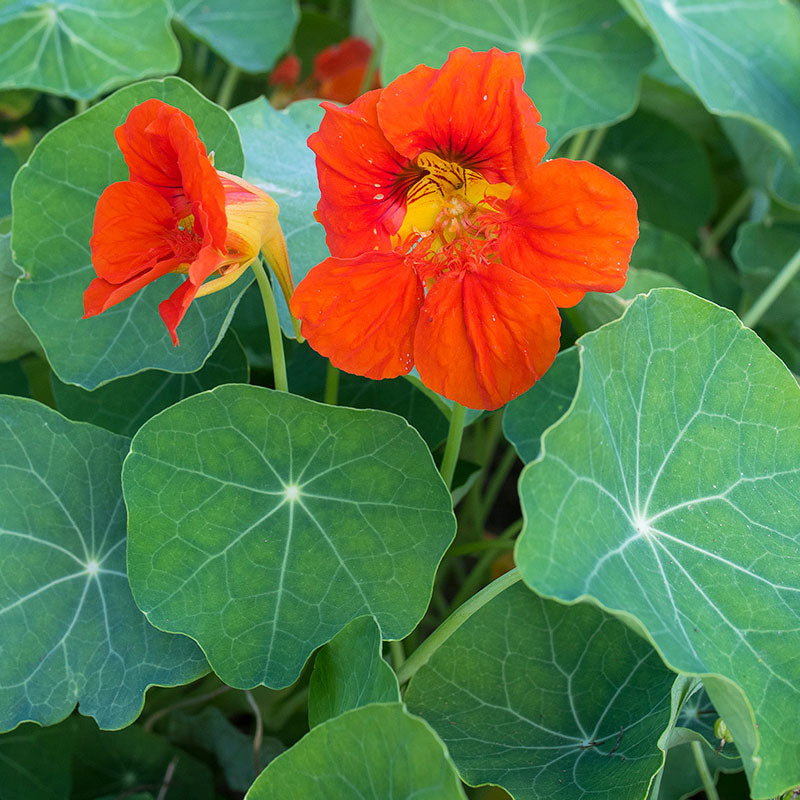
point(451, 243)
point(176, 213)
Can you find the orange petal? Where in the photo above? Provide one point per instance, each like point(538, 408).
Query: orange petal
point(361, 313)
point(473, 111)
point(174, 308)
point(485, 335)
point(101, 294)
point(571, 228)
point(361, 205)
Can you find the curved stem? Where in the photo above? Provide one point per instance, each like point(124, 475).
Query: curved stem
point(576, 145)
point(227, 86)
point(453, 446)
point(151, 721)
point(771, 293)
point(702, 767)
point(709, 246)
point(593, 145)
point(273, 326)
point(423, 653)
point(331, 385)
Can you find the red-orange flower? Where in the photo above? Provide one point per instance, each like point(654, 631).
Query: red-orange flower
point(452, 244)
point(177, 213)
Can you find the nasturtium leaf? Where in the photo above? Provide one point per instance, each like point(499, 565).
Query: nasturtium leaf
point(261, 523)
point(278, 161)
point(666, 169)
point(548, 701)
point(377, 752)
point(681, 779)
point(54, 198)
point(114, 763)
point(17, 338)
point(583, 58)
point(35, 763)
point(125, 404)
point(69, 629)
point(250, 34)
point(760, 252)
point(84, 49)
point(349, 672)
point(527, 417)
point(741, 57)
point(670, 493)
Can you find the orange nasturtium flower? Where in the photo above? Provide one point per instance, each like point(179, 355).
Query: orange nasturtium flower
point(177, 213)
point(452, 243)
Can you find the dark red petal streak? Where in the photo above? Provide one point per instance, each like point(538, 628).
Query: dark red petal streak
point(473, 111)
point(571, 228)
point(358, 170)
point(485, 336)
point(361, 313)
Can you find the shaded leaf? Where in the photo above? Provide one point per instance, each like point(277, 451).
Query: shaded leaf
point(35, 763)
point(17, 338)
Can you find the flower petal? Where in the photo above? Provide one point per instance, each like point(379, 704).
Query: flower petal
point(485, 335)
point(361, 313)
point(174, 308)
point(361, 205)
point(571, 228)
point(473, 110)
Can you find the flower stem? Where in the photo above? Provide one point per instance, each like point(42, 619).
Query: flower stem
point(728, 220)
point(81, 106)
point(273, 326)
point(577, 143)
point(423, 653)
point(593, 145)
point(702, 767)
point(773, 290)
point(331, 385)
point(453, 446)
point(227, 86)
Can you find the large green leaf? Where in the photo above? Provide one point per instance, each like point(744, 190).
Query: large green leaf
point(278, 160)
point(740, 56)
point(551, 702)
point(670, 492)
point(583, 58)
point(261, 523)
point(378, 752)
point(84, 48)
point(35, 763)
point(250, 34)
point(665, 168)
point(16, 338)
point(69, 629)
point(124, 405)
point(349, 672)
point(54, 198)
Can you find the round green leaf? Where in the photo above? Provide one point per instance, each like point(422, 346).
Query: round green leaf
point(84, 49)
point(69, 629)
point(548, 701)
point(249, 34)
point(35, 763)
point(261, 523)
point(124, 405)
point(54, 196)
point(741, 58)
point(378, 752)
point(349, 672)
point(278, 161)
point(670, 492)
point(583, 58)
point(17, 338)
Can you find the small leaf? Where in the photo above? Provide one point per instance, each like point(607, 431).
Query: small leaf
point(377, 752)
point(69, 629)
point(261, 523)
point(349, 672)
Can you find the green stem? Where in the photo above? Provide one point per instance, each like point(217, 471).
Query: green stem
point(227, 86)
point(470, 548)
point(423, 653)
point(702, 767)
point(593, 145)
point(453, 446)
point(576, 145)
point(81, 106)
point(331, 385)
point(773, 290)
point(398, 654)
point(727, 221)
point(495, 485)
point(273, 326)
point(281, 715)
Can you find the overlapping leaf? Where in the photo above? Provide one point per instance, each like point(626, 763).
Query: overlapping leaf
point(261, 523)
point(17, 338)
point(670, 492)
point(69, 629)
point(54, 198)
point(582, 58)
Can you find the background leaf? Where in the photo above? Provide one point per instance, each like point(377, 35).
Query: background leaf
point(17, 338)
point(54, 199)
point(82, 49)
point(261, 523)
point(69, 629)
point(35, 763)
point(671, 494)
